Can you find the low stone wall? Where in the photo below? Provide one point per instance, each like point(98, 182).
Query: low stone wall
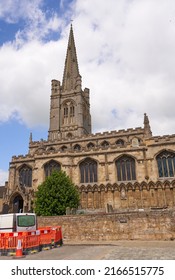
point(146, 225)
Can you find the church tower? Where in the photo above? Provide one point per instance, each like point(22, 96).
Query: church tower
point(70, 107)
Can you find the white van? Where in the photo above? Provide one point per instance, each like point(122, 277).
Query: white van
point(18, 222)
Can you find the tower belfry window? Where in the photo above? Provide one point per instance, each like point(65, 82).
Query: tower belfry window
point(65, 114)
point(72, 111)
point(68, 113)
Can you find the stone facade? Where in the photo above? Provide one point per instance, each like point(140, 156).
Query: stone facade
point(2, 190)
point(126, 169)
point(134, 225)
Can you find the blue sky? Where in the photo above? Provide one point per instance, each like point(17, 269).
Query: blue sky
point(126, 57)
point(14, 132)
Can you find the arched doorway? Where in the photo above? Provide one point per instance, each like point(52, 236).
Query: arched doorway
point(17, 203)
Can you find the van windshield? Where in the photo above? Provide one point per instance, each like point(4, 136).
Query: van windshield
point(26, 220)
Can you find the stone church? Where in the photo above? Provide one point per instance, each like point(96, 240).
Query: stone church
point(126, 169)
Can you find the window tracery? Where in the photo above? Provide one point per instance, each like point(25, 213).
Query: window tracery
point(125, 166)
point(166, 164)
point(25, 176)
point(68, 112)
point(120, 142)
point(88, 171)
point(51, 166)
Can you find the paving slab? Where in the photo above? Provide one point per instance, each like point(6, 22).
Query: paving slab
point(111, 250)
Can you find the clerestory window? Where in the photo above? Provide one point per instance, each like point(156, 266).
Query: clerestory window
point(120, 142)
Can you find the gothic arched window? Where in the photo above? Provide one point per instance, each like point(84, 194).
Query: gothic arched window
point(51, 149)
point(120, 142)
point(88, 171)
point(25, 176)
point(68, 112)
point(105, 144)
point(72, 110)
point(90, 145)
point(51, 166)
point(77, 147)
point(65, 114)
point(63, 148)
point(166, 164)
point(125, 168)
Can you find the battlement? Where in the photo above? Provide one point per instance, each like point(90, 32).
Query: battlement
point(119, 132)
point(162, 139)
point(21, 157)
point(106, 135)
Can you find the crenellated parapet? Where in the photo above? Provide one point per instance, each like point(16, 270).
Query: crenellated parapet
point(164, 139)
point(102, 140)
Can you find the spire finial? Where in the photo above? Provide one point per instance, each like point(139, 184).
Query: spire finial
point(30, 138)
point(147, 129)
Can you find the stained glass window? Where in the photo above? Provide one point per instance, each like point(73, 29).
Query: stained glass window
point(166, 164)
point(50, 167)
point(125, 166)
point(88, 171)
point(25, 176)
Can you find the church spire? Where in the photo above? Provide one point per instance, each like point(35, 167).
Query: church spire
point(70, 107)
point(71, 77)
point(147, 129)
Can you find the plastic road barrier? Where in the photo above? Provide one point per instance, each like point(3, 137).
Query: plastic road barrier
point(30, 242)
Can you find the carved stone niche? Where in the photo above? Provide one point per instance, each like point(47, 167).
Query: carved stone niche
point(135, 142)
point(123, 194)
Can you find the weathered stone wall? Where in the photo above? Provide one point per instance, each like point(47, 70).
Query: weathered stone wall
point(129, 196)
point(148, 190)
point(1, 203)
point(146, 225)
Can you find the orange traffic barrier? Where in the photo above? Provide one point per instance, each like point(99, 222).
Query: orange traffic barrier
point(31, 242)
point(46, 239)
point(57, 236)
point(11, 243)
point(2, 244)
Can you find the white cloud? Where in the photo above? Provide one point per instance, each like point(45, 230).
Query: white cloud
point(37, 24)
point(131, 46)
point(126, 57)
point(13, 10)
point(25, 77)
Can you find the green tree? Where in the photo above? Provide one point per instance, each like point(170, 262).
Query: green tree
point(55, 194)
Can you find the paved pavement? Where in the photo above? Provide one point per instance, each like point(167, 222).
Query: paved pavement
point(118, 250)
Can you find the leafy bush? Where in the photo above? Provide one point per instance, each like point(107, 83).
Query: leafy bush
point(55, 194)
